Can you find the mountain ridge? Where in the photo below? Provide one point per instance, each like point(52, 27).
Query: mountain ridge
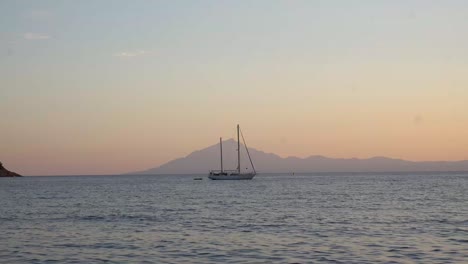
point(203, 160)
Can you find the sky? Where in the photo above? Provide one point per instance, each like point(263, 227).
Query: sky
point(105, 87)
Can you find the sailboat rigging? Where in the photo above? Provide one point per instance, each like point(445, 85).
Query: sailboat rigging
point(233, 174)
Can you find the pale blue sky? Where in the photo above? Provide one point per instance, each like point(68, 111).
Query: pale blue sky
point(88, 83)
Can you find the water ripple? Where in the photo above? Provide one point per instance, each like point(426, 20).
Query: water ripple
point(385, 218)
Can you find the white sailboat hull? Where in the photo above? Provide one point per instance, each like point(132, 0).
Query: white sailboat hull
point(242, 176)
point(232, 174)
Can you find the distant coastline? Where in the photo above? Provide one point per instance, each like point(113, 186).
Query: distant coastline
point(270, 174)
point(201, 161)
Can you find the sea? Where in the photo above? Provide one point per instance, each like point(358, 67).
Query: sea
point(274, 218)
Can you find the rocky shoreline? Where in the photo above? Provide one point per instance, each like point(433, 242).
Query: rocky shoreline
point(6, 173)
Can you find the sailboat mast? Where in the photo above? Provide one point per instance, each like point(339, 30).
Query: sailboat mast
point(238, 151)
point(221, 151)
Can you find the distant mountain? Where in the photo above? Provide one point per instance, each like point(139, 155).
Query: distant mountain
point(6, 173)
point(201, 161)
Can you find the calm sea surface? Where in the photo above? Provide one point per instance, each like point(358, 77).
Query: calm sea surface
point(331, 218)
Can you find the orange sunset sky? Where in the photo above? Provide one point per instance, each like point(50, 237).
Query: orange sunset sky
point(93, 88)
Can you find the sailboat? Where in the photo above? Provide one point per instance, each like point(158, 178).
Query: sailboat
point(233, 174)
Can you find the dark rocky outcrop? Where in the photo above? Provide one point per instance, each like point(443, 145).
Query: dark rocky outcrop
point(6, 173)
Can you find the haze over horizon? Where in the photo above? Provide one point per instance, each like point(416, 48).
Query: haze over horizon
point(106, 87)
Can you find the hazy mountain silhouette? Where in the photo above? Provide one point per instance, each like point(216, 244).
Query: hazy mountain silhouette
point(201, 161)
